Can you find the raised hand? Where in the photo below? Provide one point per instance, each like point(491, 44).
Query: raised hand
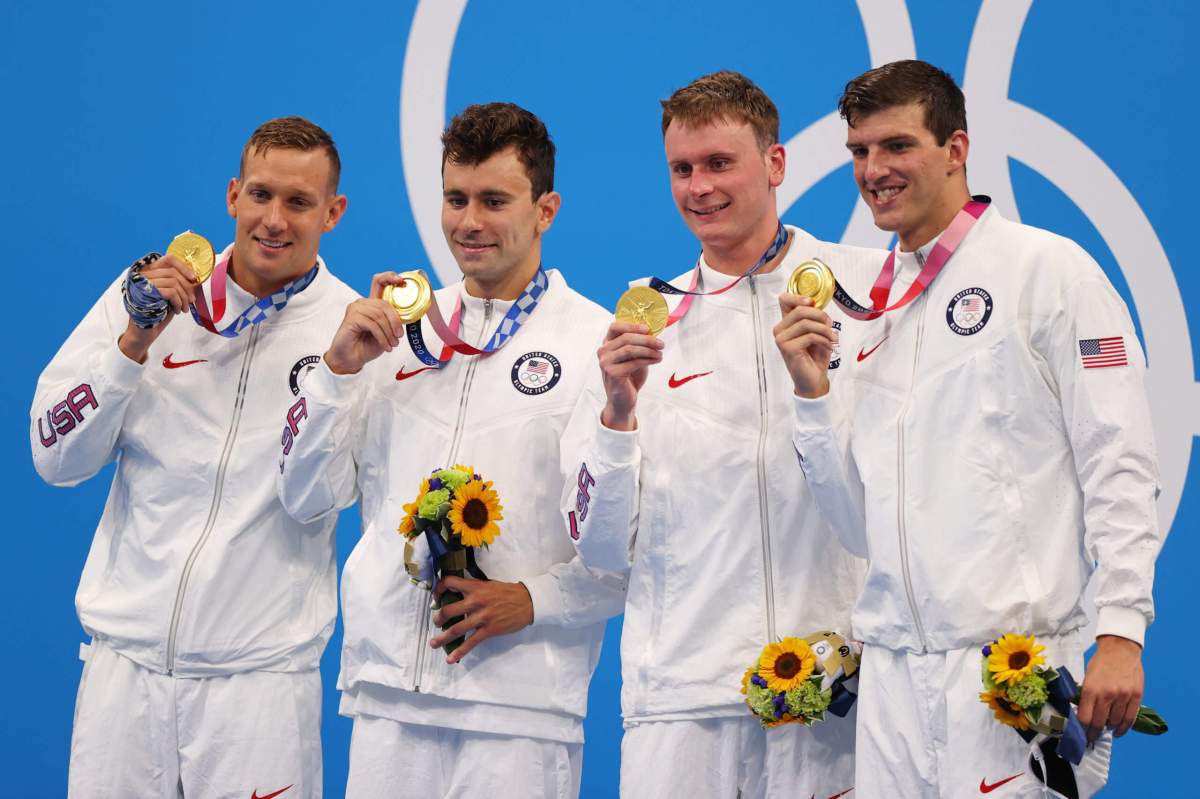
point(370, 328)
point(175, 281)
point(805, 338)
point(625, 358)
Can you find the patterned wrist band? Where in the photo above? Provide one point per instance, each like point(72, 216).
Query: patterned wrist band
point(145, 306)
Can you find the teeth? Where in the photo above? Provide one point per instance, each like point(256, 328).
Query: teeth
point(707, 211)
point(274, 245)
point(888, 193)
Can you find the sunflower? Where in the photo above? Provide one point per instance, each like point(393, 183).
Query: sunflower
point(408, 525)
point(746, 679)
point(1005, 711)
point(786, 664)
point(1013, 657)
point(474, 512)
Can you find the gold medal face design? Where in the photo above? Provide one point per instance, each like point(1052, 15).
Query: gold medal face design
point(412, 299)
point(196, 251)
point(642, 305)
point(813, 279)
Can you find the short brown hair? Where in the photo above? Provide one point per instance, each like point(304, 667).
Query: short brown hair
point(904, 82)
point(293, 133)
point(726, 95)
point(480, 131)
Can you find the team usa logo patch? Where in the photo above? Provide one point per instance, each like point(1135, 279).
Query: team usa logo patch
point(300, 371)
point(969, 311)
point(536, 373)
point(835, 356)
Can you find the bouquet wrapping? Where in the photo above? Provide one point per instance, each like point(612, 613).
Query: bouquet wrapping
point(455, 512)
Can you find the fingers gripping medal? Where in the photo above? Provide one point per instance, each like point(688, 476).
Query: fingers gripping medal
point(642, 305)
point(815, 280)
point(145, 305)
point(411, 297)
point(196, 251)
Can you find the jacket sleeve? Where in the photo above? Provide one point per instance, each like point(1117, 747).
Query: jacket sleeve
point(1107, 419)
point(572, 595)
point(822, 440)
point(81, 398)
point(600, 496)
point(318, 474)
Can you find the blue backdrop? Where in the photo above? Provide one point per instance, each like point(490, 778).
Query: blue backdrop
point(125, 122)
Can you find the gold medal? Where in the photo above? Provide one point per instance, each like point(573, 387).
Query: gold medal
point(196, 251)
point(411, 299)
point(813, 279)
point(642, 305)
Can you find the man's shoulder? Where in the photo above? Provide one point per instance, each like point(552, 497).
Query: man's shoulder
point(1016, 245)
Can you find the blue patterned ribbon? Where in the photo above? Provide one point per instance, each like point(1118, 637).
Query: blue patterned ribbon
point(517, 315)
point(257, 313)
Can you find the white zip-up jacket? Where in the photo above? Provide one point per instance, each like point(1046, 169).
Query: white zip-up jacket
point(704, 506)
point(195, 568)
point(376, 434)
point(993, 451)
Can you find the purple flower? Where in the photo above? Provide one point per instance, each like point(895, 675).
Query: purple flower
point(759, 681)
point(987, 651)
point(435, 483)
point(780, 705)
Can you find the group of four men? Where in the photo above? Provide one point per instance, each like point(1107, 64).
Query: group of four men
point(976, 469)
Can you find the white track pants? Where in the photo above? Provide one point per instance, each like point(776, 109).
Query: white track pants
point(727, 758)
point(389, 759)
point(139, 734)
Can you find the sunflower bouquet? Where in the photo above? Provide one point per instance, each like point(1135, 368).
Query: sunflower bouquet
point(799, 680)
point(1031, 697)
point(454, 512)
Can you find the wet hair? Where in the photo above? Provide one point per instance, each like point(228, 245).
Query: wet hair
point(481, 131)
point(293, 133)
point(724, 96)
point(904, 82)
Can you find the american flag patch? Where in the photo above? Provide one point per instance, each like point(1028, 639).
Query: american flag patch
point(1100, 352)
point(538, 367)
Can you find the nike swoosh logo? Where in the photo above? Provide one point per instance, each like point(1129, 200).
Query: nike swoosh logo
point(984, 787)
point(268, 795)
point(673, 383)
point(862, 356)
point(169, 364)
point(401, 375)
point(836, 795)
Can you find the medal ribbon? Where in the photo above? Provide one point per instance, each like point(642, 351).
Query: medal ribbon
point(663, 287)
point(945, 246)
point(517, 315)
point(257, 313)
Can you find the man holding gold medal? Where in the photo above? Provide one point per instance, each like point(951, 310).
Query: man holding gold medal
point(500, 715)
point(208, 605)
point(990, 452)
point(681, 477)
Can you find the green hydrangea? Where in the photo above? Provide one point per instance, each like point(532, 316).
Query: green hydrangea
point(761, 701)
point(431, 502)
point(453, 479)
point(808, 700)
point(1029, 692)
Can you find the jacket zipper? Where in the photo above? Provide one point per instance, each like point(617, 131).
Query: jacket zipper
point(902, 529)
point(215, 505)
point(763, 507)
point(455, 440)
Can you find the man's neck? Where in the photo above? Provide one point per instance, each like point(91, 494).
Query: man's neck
point(740, 256)
point(250, 284)
point(937, 221)
point(508, 287)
